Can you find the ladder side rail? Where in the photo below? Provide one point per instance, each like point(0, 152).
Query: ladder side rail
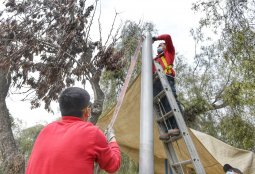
point(168, 148)
point(180, 121)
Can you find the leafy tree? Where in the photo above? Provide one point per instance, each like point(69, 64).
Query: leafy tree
point(46, 46)
point(233, 51)
point(128, 166)
point(219, 87)
point(234, 128)
point(112, 81)
point(27, 138)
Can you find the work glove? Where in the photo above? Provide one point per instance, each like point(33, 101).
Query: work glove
point(154, 38)
point(109, 133)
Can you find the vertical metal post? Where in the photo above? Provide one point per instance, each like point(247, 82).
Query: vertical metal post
point(166, 166)
point(146, 156)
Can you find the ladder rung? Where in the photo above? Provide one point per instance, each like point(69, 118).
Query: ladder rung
point(184, 134)
point(166, 116)
point(159, 95)
point(173, 138)
point(182, 163)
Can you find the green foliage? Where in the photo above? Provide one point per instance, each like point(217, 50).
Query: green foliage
point(128, 166)
point(241, 53)
point(112, 81)
point(217, 92)
point(237, 132)
point(208, 124)
point(26, 139)
point(239, 94)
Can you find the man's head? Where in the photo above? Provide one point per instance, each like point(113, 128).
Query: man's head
point(74, 101)
point(227, 167)
point(161, 48)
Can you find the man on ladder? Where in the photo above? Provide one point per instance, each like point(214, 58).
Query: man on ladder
point(165, 57)
point(169, 117)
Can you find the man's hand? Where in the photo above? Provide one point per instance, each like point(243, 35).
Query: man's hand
point(154, 38)
point(109, 133)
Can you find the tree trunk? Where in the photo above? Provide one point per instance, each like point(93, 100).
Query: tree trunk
point(13, 161)
point(97, 106)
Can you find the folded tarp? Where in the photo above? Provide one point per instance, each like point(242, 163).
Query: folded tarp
point(212, 152)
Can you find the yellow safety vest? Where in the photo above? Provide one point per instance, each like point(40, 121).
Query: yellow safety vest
point(168, 68)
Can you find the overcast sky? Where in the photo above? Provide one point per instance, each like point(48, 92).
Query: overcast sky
point(172, 17)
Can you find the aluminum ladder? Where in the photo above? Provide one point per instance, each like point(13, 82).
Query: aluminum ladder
point(161, 118)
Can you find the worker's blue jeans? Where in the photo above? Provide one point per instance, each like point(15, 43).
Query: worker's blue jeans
point(157, 87)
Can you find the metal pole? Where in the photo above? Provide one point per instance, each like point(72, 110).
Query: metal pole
point(166, 166)
point(146, 156)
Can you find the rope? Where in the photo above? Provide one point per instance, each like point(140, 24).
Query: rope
point(125, 86)
point(123, 90)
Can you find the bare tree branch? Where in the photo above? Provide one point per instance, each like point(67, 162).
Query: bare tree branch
point(112, 27)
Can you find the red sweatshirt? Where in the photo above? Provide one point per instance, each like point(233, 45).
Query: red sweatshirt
point(169, 53)
point(71, 146)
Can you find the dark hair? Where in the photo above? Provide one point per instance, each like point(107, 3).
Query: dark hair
point(162, 43)
point(73, 100)
point(227, 167)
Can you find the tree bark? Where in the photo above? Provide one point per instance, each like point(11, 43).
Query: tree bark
point(13, 161)
point(97, 106)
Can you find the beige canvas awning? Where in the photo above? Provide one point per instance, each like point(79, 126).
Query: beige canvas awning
point(213, 153)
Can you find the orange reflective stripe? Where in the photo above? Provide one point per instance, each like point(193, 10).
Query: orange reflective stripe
point(168, 68)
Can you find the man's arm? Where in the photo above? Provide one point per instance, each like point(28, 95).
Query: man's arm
point(108, 154)
point(168, 40)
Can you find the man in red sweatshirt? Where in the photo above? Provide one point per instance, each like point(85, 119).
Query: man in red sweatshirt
point(165, 57)
point(72, 145)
